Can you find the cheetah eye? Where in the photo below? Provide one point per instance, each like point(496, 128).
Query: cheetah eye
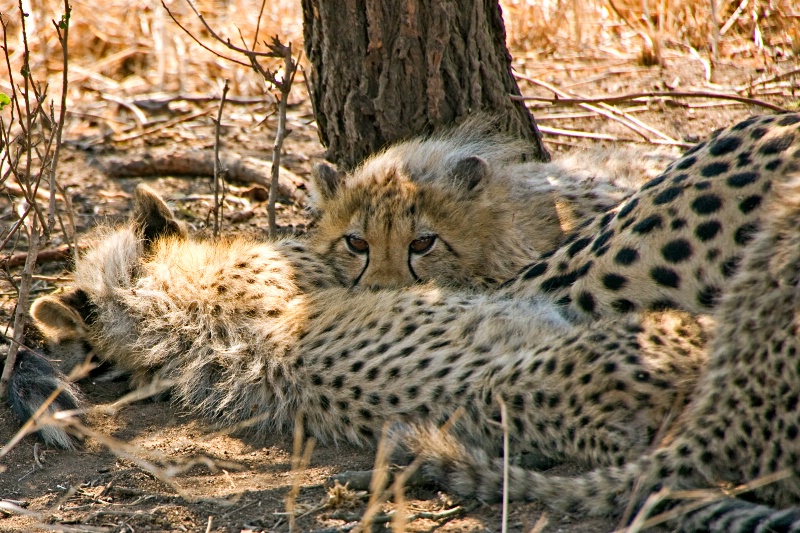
point(356, 244)
point(422, 245)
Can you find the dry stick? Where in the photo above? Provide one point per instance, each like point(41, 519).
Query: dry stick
point(289, 69)
point(628, 122)
point(776, 77)
point(576, 133)
point(654, 94)
point(60, 253)
point(160, 126)
point(219, 172)
point(301, 457)
point(380, 475)
point(276, 50)
point(63, 38)
point(506, 444)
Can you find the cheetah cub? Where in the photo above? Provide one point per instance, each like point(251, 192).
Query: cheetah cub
point(263, 330)
point(460, 207)
point(743, 421)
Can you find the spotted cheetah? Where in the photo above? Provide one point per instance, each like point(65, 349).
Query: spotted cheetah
point(461, 207)
point(246, 330)
point(679, 239)
point(743, 422)
point(673, 244)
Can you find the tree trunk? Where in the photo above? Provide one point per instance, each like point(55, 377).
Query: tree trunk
point(387, 70)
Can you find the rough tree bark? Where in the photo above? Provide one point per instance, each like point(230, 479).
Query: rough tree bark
point(382, 71)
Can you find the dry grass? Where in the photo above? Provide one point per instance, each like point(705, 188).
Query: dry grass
point(129, 48)
point(544, 28)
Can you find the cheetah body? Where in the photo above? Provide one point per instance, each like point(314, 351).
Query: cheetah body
point(262, 330)
point(677, 241)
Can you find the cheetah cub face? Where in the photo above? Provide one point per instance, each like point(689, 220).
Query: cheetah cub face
point(464, 207)
point(383, 227)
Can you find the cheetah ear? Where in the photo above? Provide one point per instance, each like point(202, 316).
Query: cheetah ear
point(469, 172)
point(325, 180)
point(57, 317)
point(152, 217)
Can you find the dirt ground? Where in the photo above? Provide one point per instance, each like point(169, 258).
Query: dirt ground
point(93, 489)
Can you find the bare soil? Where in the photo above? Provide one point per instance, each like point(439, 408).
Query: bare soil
point(94, 489)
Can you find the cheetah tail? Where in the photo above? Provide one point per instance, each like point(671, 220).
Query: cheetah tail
point(33, 381)
point(470, 472)
point(737, 516)
point(602, 492)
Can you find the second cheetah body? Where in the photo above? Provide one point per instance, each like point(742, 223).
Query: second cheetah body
point(244, 329)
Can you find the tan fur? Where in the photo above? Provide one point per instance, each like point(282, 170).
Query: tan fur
point(677, 241)
point(742, 423)
point(245, 329)
point(488, 221)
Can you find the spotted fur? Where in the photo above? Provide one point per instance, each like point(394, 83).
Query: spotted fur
point(247, 330)
point(677, 242)
point(743, 421)
point(461, 208)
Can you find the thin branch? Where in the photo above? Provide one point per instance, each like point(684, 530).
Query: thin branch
point(62, 30)
point(654, 94)
point(219, 171)
point(195, 39)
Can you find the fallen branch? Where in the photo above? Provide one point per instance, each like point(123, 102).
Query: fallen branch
point(655, 94)
point(607, 111)
point(201, 163)
point(61, 253)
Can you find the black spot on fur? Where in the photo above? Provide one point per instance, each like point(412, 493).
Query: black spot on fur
point(653, 182)
point(667, 195)
point(714, 169)
point(578, 245)
point(647, 225)
point(745, 123)
point(745, 233)
point(729, 267)
point(536, 270)
point(686, 162)
point(788, 120)
point(626, 210)
point(626, 256)
point(742, 179)
point(773, 165)
point(665, 277)
point(724, 145)
point(614, 282)
point(708, 296)
point(749, 203)
point(706, 204)
point(586, 302)
point(744, 159)
point(677, 224)
point(777, 145)
point(602, 240)
point(757, 133)
point(708, 230)
point(662, 305)
point(677, 251)
point(680, 178)
point(623, 305)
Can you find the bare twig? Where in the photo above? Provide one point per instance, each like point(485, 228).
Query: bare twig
point(506, 444)
point(282, 83)
point(654, 94)
point(22, 169)
point(285, 85)
point(219, 170)
point(62, 30)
